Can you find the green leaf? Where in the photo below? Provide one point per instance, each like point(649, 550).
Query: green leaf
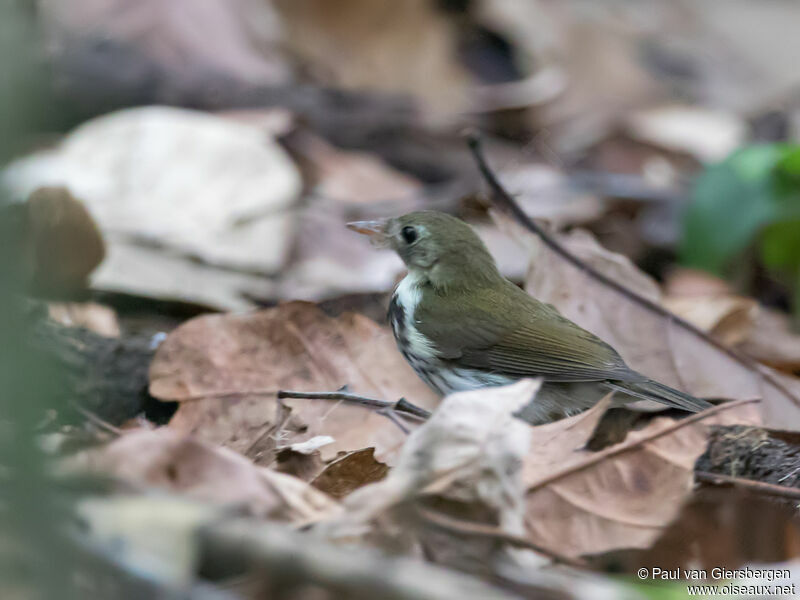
point(780, 245)
point(789, 164)
point(731, 201)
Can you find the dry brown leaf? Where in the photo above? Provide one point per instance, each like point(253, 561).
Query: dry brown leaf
point(166, 459)
point(649, 341)
point(350, 472)
point(764, 334)
point(772, 341)
point(729, 318)
point(580, 502)
point(398, 47)
point(292, 346)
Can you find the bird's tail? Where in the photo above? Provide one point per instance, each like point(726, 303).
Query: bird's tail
point(652, 390)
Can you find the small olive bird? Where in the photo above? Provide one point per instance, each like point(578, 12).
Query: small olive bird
point(462, 325)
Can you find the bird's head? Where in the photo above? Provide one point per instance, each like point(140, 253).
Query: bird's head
point(435, 247)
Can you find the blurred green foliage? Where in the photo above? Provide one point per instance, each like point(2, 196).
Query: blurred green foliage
point(34, 559)
point(751, 200)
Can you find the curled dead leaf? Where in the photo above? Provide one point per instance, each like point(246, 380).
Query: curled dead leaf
point(728, 318)
point(464, 464)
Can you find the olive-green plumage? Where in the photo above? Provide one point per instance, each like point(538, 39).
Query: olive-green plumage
point(462, 325)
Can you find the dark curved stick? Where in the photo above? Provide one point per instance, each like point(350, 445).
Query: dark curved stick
point(503, 200)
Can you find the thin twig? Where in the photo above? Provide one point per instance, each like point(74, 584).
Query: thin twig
point(628, 446)
point(757, 486)
point(402, 405)
point(507, 203)
point(488, 531)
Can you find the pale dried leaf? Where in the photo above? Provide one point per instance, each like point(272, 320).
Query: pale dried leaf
point(708, 135)
point(210, 363)
point(166, 459)
point(464, 462)
point(622, 496)
point(225, 197)
point(683, 282)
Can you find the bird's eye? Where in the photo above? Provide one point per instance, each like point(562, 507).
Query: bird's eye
point(409, 235)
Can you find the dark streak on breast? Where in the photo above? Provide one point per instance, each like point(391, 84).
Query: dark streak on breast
point(397, 318)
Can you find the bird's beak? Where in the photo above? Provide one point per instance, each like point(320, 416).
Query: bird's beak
point(376, 230)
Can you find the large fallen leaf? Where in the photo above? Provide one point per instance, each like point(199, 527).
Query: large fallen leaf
point(581, 502)
point(169, 460)
point(651, 342)
point(181, 183)
point(210, 363)
point(401, 47)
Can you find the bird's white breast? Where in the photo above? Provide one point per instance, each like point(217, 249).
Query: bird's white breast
point(408, 295)
point(421, 353)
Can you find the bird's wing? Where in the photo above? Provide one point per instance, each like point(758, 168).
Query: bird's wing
point(507, 331)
